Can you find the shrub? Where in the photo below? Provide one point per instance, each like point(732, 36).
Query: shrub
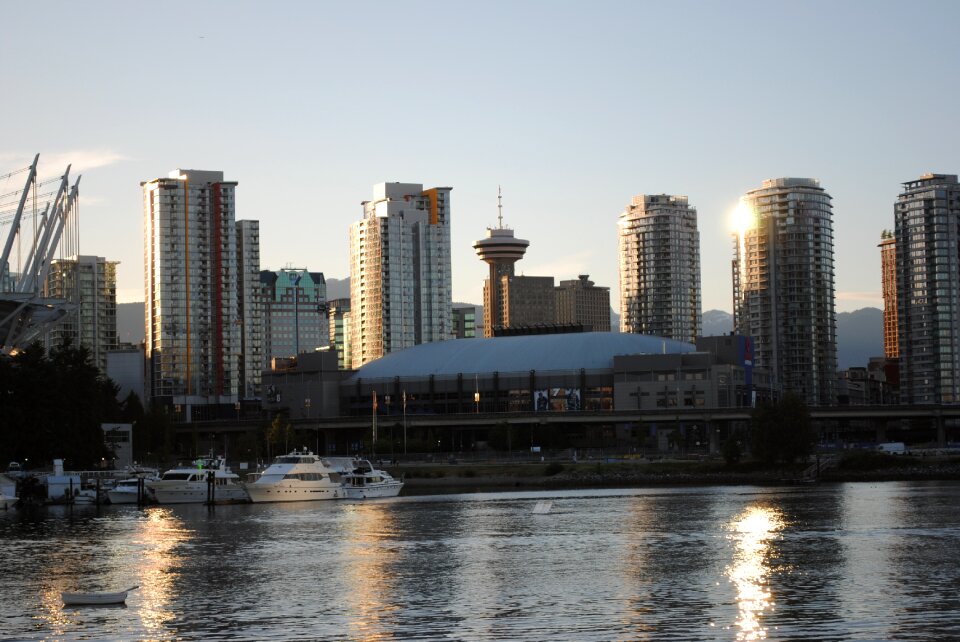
point(552, 469)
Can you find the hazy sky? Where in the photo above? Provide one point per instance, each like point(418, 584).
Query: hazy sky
point(573, 107)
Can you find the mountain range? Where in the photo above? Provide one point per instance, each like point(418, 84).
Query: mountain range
point(859, 333)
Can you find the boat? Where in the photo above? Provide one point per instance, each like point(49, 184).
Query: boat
point(365, 481)
point(299, 477)
point(8, 501)
point(125, 490)
point(88, 599)
point(190, 485)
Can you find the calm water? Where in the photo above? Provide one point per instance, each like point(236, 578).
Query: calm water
point(834, 562)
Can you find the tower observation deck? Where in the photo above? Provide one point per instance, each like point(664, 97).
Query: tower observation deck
point(500, 250)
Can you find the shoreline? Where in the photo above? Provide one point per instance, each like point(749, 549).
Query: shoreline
point(464, 478)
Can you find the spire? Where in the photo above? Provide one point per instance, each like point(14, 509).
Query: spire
point(500, 207)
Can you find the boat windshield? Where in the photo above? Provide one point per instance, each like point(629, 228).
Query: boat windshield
point(269, 479)
point(290, 459)
point(177, 476)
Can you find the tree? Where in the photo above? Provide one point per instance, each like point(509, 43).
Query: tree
point(51, 406)
point(782, 431)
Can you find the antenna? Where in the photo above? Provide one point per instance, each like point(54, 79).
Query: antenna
point(500, 206)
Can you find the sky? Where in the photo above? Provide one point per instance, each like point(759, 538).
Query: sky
point(571, 107)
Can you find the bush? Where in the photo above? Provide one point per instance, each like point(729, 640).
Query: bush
point(552, 469)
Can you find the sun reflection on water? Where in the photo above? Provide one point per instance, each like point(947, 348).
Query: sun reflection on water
point(369, 580)
point(159, 535)
point(752, 532)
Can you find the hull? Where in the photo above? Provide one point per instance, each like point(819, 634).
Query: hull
point(391, 489)
point(88, 599)
point(196, 493)
point(302, 492)
point(127, 497)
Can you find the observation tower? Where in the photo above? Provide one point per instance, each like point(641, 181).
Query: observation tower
point(500, 250)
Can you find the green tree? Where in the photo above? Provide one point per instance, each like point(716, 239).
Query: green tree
point(52, 405)
point(782, 431)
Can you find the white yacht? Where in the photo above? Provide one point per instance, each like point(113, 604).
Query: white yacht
point(366, 481)
point(300, 476)
point(188, 484)
point(125, 491)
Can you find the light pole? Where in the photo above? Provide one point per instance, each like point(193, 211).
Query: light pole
point(404, 422)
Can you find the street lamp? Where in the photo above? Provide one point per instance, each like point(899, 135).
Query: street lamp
point(404, 422)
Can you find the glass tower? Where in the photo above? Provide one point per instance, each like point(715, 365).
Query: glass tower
point(927, 215)
point(660, 268)
point(783, 285)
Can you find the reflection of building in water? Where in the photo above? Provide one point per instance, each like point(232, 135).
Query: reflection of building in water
point(753, 531)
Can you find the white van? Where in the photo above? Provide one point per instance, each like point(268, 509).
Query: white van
point(893, 448)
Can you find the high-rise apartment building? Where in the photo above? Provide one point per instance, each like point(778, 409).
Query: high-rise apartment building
point(579, 301)
point(527, 301)
point(294, 304)
point(338, 315)
point(888, 271)
point(464, 322)
point(927, 216)
point(500, 250)
point(784, 287)
point(400, 282)
point(89, 283)
point(660, 268)
point(250, 308)
point(193, 337)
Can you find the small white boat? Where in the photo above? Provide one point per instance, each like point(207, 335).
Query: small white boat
point(125, 491)
point(77, 599)
point(365, 481)
point(188, 484)
point(7, 501)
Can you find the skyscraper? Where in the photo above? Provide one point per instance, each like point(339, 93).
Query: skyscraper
point(338, 314)
point(89, 283)
point(888, 270)
point(400, 282)
point(527, 301)
point(193, 338)
point(783, 285)
point(500, 250)
point(580, 301)
point(927, 216)
point(294, 312)
point(660, 268)
point(250, 308)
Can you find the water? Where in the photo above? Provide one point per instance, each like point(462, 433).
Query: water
point(831, 562)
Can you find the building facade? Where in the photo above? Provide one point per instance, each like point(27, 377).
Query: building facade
point(464, 322)
point(338, 316)
point(579, 301)
point(527, 301)
point(400, 271)
point(294, 304)
point(89, 283)
point(927, 215)
point(784, 285)
point(250, 313)
point(888, 271)
point(193, 338)
point(659, 249)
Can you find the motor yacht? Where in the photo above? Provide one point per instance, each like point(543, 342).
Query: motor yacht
point(125, 491)
point(365, 481)
point(189, 485)
point(300, 476)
